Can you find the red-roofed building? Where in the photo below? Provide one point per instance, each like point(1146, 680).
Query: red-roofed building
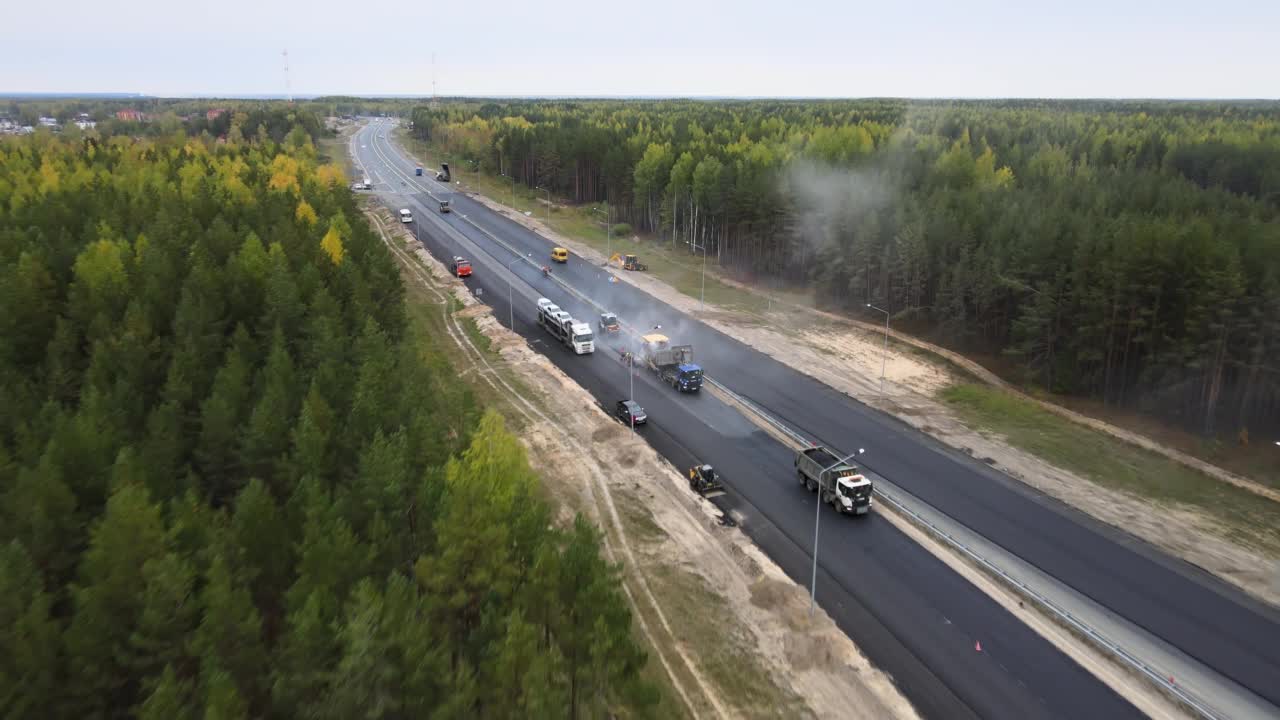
point(130, 115)
point(213, 114)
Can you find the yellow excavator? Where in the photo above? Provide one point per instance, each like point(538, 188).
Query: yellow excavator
point(627, 262)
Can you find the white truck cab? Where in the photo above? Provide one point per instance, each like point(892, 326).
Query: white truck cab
point(582, 340)
point(850, 490)
point(406, 216)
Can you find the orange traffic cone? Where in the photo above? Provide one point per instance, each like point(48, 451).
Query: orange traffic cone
point(978, 646)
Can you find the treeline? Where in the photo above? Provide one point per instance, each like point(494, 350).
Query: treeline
point(1123, 251)
point(275, 119)
point(231, 487)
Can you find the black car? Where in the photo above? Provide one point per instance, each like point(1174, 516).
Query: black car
point(630, 412)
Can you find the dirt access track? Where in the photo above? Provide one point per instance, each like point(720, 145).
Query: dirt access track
point(730, 630)
point(847, 355)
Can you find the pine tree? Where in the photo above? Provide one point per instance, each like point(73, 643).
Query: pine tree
point(29, 662)
point(106, 601)
point(220, 421)
point(170, 700)
point(266, 438)
point(169, 613)
point(230, 632)
point(306, 658)
point(313, 443)
point(223, 700)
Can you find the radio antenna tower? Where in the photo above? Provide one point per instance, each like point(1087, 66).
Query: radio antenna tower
point(288, 91)
point(433, 79)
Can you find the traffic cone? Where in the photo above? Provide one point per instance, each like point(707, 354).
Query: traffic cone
point(978, 646)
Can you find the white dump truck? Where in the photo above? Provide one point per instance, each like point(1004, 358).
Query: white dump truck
point(841, 485)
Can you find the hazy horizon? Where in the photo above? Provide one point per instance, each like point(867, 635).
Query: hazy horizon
point(576, 49)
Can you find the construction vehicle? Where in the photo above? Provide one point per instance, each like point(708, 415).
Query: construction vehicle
point(442, 176)
point(820, 470)
point(417, 171)
point(560, 255)
point(444, 206)
point(704, 480)
point(609, 323)
point(460, 267)
point(627, 262)
point(561, 325)
point(672, 363)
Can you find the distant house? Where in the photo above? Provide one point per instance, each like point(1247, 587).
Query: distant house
point(48, 122)
point(130, 115)
point(86, 124)
point(213, 114)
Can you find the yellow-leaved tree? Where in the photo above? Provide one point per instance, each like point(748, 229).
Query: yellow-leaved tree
point(332, 245)
point(305, 213)
point(329, 175)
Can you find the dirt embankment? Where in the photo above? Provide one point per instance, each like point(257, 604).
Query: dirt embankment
point(847, 356)
point(754, 651)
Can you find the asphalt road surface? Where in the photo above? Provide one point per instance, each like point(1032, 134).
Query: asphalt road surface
point(913, 616)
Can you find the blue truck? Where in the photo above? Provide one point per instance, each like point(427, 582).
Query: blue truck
point(673, 363)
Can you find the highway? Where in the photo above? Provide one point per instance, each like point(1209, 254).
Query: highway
point(910, 614)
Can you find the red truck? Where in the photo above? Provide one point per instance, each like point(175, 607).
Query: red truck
point(460, 267)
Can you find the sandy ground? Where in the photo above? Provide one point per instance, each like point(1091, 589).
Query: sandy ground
point(847, 356)
point(656, 526)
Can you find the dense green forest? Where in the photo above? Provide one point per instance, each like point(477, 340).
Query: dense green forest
point(1127, 251)
point(230, 486)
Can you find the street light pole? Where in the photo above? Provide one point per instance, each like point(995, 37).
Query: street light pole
point(608, 227)
point(511, 306)
point(817, 516)
point(885, 353)
point(548, 192)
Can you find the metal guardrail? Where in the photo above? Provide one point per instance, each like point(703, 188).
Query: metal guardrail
point(1063, 614)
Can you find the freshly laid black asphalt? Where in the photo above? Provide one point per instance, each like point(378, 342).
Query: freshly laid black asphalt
point(914, 617)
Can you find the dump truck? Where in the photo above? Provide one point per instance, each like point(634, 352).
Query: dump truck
point(461, 267)
point(442, 176)
point(842, 487)
point(704, 480)
point(673, 363)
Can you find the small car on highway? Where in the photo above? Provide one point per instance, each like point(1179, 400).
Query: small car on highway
point(630, 413)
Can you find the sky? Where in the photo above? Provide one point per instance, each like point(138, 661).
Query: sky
point(782, 48)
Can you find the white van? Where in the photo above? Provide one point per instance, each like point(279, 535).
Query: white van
point(406, 216)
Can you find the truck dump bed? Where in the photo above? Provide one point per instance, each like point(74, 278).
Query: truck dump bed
point(821, 456)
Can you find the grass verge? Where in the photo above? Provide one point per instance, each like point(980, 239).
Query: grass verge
point(696, 615)
point(1248, 518)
